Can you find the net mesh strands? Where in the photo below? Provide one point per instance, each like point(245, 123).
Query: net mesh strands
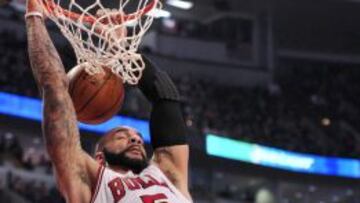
point(104, 37)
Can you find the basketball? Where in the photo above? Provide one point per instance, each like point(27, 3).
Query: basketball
point(97, 97)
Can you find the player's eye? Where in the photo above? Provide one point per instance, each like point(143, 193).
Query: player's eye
point(119, 137)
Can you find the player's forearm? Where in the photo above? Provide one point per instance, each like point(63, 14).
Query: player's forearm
point(167, 125)
point(45, 62)
point(60, 126)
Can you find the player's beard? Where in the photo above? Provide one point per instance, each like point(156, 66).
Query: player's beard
point(120, 159)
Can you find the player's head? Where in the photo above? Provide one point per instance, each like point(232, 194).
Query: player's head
point(122, 147)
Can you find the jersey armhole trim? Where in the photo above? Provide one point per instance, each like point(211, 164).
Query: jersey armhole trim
point(95, 189)
point(171, 185)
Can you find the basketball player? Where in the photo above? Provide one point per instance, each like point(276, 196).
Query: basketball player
point(120, 171)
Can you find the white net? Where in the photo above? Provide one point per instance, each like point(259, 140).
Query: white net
point(105, 36)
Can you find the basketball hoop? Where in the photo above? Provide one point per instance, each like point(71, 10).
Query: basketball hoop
point(104, 37)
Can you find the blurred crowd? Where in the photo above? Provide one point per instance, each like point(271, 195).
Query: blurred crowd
point(14, 75)
point(310, 107)
point(32, 158)
point(20, 166)
point(34, 191)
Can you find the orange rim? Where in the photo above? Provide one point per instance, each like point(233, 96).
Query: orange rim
point(50, 6)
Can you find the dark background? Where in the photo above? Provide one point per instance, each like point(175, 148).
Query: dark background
point(277, 73)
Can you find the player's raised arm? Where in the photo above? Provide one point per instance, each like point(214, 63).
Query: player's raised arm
point(73, 167)
point(167, 126)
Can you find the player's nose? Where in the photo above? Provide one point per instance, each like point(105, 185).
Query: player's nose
point(135, 140)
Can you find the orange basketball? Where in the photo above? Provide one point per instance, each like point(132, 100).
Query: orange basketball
point(97, 97)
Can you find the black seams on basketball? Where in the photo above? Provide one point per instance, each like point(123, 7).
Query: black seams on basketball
point(96, 98)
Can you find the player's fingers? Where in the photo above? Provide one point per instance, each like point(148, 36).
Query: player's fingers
point(34, 6)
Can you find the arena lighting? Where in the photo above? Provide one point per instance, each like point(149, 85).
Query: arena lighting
point(159, 13)
point(30, 108)
point(281, 159)
point(186, 5)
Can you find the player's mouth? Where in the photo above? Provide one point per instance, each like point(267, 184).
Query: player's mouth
point(135, 151)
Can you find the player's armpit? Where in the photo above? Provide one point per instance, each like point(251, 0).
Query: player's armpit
point(173, 162)
point(77, 176)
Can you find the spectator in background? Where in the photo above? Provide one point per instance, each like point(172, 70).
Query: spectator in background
point(288, 114)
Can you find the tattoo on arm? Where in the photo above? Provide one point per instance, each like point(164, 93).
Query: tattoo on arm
point(45, 61)
point(60, 126)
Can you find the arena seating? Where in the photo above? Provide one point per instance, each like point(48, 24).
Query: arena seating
point(310, 109)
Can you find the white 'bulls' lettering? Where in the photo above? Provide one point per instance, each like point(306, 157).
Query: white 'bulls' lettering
point(117, 185)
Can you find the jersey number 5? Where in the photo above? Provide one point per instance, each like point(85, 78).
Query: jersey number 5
point(157, 198)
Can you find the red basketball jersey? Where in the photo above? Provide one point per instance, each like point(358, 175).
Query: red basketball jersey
point(150, 186)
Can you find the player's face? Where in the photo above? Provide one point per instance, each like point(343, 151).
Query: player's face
point(125, 148)
point(128, 142)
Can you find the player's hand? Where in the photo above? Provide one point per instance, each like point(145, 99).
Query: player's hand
point(34, 6)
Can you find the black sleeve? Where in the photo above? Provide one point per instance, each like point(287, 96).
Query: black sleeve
point(167, 126)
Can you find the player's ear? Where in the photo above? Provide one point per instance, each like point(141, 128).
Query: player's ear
point(100, 158)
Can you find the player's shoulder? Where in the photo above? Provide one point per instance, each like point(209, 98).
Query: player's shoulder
point(152, 168)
